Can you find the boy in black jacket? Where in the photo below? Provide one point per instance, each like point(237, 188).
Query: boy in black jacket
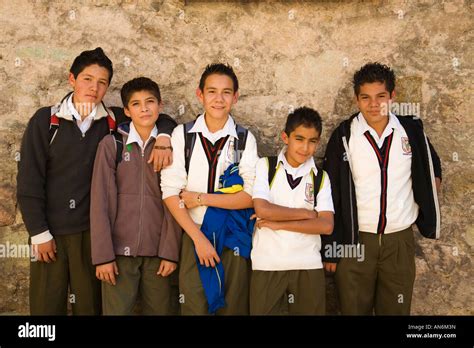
point(54, 180)
point(384, 176)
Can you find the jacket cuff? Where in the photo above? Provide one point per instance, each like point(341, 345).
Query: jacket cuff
point(103, 263)
point(166, 259)
point(331, 259)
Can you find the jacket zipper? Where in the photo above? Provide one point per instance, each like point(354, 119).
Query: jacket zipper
point(141, 199)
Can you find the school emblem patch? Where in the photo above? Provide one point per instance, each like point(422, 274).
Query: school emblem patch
point(309, 193)
point(406, 146)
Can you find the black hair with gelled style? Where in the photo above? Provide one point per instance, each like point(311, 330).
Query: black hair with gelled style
point(87, 58)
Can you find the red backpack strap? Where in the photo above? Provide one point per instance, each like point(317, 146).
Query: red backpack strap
point(54, 121)
point(53, 127)
point(111, 122)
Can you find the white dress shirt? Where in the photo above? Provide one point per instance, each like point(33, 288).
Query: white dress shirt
point(174, 178)
point(402, 209)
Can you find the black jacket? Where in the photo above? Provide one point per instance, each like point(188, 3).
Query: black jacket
point(425, 167)
point(54, 181)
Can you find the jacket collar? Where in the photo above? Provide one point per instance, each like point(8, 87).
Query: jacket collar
point(134, 137)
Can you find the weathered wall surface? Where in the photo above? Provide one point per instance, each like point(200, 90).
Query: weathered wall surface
point(286, 54)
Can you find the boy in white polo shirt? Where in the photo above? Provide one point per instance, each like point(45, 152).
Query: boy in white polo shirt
point(202, 150)
point(293, 204)
point(385, 175)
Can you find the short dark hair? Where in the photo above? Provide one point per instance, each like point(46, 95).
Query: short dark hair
point(220, 69)
point(87, 58)
point(374, 72)
point(139, 84)
point(303, 116)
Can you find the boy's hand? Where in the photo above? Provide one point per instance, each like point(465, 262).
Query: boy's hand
point(107, 272)
point(160, 157)
point(45, 252)
point(264, 223)
point(273, 225)
point(190, 199)
point(330, 266)
point(166, 268)
point(206, 252)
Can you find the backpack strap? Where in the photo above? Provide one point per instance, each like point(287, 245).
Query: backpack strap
point(53, 127)
point(317, 183)
point(240, 142)
point(189, 141)
point(241, 137)
point(112, 124)
point(119, 147)
point(272, 168)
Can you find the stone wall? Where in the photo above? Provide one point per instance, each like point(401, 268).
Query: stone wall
point(286, 54)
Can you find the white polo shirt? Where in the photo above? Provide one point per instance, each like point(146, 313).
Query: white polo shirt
point(283, 250)
point(401, 208)
point(174, 178)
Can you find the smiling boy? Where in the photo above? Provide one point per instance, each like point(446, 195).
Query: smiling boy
point(385, 175)
point(293, 204)
point(203, 150)
point(54, 180)
point(135, 240)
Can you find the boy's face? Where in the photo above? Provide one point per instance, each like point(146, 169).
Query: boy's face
point(302, 144)
point(218, 96)
point(143, 108)
point(90, 85)
point(373, 101)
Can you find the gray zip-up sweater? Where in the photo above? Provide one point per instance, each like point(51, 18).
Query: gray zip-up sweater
point(128, 216)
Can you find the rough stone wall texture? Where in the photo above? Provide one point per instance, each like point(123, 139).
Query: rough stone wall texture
point(286, 54)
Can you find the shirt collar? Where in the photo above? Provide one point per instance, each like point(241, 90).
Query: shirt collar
point(200, 126)
point(66, 110)
point(363, 126)
point(73, 111)
point(134, 137)
point(303, 168)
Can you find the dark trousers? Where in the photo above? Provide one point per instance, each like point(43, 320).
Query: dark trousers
point(137, 277)
point(296, 292)
point(192, 298)
point(70, 278)
point(383, 282)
